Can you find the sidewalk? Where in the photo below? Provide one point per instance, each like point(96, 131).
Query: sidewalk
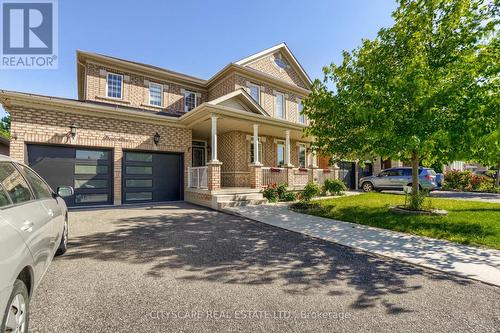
point(466, 261)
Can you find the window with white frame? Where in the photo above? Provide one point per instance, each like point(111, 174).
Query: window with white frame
point(280, 153)
point(189, 100)
point(302, 155)
point(255, 92)
point(114, 85)
point(302, 118)
point(155, 94)
point(280, 106)
point(252, 149)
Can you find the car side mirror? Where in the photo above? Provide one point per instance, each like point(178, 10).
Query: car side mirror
point(65, 191)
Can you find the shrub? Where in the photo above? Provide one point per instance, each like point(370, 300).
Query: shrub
point(270, 193)
point(310, 190)
point(334, 186)
point(466, 181)
point(415, 201)
point(281, 191)
point(289, 196)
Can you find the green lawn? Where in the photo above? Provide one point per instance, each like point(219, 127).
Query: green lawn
point(468, 222)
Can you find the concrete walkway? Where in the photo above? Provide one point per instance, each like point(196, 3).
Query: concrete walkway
point(466, 261)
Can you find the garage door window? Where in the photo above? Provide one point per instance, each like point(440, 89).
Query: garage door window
point(139, 170)
point(84, 169)
point(139, 157)
point(138, 196)
point(91, 198)
point(91, 183)
point(92, 155)
point(139, 183)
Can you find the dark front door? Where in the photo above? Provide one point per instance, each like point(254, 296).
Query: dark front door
point(89, 171)
point(151, 176)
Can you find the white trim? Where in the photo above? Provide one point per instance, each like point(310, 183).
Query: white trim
point(299, 102)
point(271, 50)
point(250, 85)
point(278, 144)
point(302, 145)
point(250, 138)
point(244, 94)
point(283, 106)
point(195, 99)
point(121, 89)
point(161, 94)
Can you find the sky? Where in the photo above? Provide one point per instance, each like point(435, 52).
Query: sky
point(198, 37)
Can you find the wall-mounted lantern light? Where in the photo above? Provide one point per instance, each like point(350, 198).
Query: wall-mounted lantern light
point(156, 138)
point(72, 130)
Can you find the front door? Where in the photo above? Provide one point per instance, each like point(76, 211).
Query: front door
point(199, 153)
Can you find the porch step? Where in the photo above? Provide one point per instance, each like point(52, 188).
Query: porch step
point(239, 196)
point(238, 203)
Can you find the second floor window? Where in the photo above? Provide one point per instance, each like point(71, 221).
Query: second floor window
point(302, 117)
point(302, 155)
point(155, 94)
point(280, 106)
point(114, 85)
point(189, 100)
point(255, 92)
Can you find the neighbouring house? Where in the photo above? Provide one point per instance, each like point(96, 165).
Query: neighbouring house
point(139, 133)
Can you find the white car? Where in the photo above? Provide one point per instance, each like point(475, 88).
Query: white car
point(33, 228)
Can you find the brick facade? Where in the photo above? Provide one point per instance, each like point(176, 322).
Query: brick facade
point(267, 65)
point(41, 124)
point(52, 127)
point(136, 90)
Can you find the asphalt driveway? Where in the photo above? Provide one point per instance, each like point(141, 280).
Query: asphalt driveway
point(184, 268)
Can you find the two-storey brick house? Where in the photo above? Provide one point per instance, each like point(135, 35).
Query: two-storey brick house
point(139, 133)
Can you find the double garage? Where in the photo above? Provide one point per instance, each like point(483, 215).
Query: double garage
point(146, 176)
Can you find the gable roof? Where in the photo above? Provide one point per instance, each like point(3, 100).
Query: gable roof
point(282, 47)
point(189, 80)
point(240, 99)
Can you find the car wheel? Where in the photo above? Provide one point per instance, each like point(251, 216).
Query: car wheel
point(367, 187)
point(16, 315)
point(63, 246)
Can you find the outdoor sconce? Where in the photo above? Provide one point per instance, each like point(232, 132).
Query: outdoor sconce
point(156, 138)
point(72, 130)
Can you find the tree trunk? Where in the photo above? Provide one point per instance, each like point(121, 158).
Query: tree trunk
point(497, 180)
point(414, 172)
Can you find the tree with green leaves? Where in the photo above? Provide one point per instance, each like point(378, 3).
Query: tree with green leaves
point(5, 127)
point(418, 91)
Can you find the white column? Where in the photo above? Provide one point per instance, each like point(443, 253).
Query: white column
point(256, 144)
point(314, 159)
point(214, 139)
point(287, 148)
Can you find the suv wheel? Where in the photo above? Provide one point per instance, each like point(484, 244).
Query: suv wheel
point(367, 187)
point(16, 315)
point(63, 246)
